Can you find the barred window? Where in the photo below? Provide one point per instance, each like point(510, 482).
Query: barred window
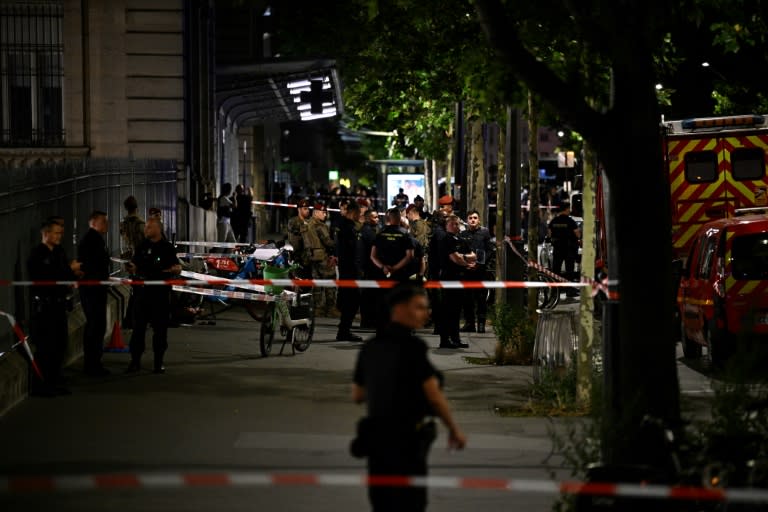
point(31, 73)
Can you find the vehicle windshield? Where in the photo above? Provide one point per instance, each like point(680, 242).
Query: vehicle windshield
point(750, 256)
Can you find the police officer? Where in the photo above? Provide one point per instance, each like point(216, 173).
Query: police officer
point(565, 235)
point(321, 248)
point(155, 259)
point(93, 256)
point(476, 300)
point(297, 226)
point(368, 232)
point(393, 250)
point(49, 328)
point(348, 251)
point(457, 258)
point(395, 379)
point(434, 267)
point(419, 231)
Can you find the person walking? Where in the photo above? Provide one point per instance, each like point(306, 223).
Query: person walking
point(131, 228)
point(321, 247)
point(457, 257)
point(475, 301)
point(402, 391)
point(348, 251)
point(155, 259)
point(224, 207)
point(49, 330)
point(243, 211)
point(565, 235)
point(295, 230)
point(93, 255)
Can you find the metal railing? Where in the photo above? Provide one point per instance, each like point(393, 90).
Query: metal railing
point(73, 190)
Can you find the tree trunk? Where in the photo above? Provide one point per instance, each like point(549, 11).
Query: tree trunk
point(641, 376)
point(502, 209)
point(428, 170)
point(533, 196)
point(475, 192)
point(586, 310)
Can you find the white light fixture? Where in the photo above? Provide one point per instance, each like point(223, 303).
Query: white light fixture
point(299, 90)
point(306, 116)
point(560, 133)
point(659, 87)
point(705, 64)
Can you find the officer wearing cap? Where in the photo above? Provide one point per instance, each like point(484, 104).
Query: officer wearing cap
point(297, 226)
point(446, 204)
point(321, 249)
point(418, 201)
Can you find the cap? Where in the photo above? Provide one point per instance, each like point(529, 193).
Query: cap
point(303, 203)
point(320, 207)
point(418, 198)
point(445, 200)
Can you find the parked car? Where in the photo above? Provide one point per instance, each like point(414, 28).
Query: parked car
point(723, 293)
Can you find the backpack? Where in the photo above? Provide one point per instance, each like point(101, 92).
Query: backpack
point(132, 232)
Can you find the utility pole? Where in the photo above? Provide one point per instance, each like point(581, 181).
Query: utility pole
point(512, 221)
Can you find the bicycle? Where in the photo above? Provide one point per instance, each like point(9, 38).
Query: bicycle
point(296, 323)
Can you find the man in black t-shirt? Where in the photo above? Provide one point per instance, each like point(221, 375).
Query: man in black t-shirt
point(348, 249)
point(456, 258)
point(155, 259)
point(400, 387)
point(565, 235)
point(393, 249)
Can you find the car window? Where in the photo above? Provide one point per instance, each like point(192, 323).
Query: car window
point(701, 166)
point(749, 256)
point(707, 255)
point(748, 164)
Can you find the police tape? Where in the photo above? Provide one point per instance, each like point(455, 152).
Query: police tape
point(226, 294)
point(289, 205)
point(303, 283)
point(174, 480)
point(23, 342)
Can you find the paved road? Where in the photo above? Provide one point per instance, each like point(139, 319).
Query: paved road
point(223, 407)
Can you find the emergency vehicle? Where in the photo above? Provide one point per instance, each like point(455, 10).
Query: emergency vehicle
point(717, 169)
point(715, 166)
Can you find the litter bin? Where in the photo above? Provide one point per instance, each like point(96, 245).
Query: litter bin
point(556, 343)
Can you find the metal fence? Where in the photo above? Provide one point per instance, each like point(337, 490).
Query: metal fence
point(73, 190)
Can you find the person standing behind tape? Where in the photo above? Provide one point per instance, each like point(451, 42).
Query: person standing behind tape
point(297, 226)
point(49, 330)
point(131, 228)
point(321, 247)
point(401, 389)
point(393, 249)
point(155, 259)
point(476, 300)
point(93, 256)
point(348, 251)
point(565, 235)
point(457, 258)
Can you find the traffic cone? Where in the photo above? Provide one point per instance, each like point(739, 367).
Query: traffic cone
point(116, 343)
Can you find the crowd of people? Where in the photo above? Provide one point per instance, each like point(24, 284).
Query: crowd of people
point(148, 254)
point(410, 245)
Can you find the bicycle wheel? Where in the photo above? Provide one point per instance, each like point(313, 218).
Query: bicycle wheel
point(302, 334)
point(267, 334)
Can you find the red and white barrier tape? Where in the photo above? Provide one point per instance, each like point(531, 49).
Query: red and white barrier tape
point(23, 341)
point(122, 481)
point(226, 294)
point(304, 283)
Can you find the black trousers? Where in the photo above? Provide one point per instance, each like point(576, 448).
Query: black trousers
point(567, 256)
point(151, 306)
point(475, 301)
point(347, 300)
point(49, 333)
point(397, 456)
point(94, 302)
point(450, 314)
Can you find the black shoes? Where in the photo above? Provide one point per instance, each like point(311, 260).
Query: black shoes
point(348, 336)
point(468, 328)
point(452, 344)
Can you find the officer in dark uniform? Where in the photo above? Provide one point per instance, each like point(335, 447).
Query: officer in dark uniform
point(154, 259)
point(348, 249)
point(368, 233)
point(401, 388)
point(93, 256)
point(49, 328)
point(457, 257)
point(393, 249)
point(434, 254)
point(565, 235)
